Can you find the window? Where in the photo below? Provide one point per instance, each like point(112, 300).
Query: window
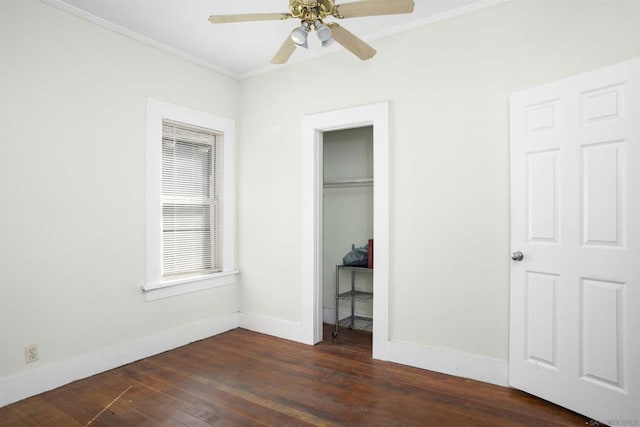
point(191, 197)
point(190, 201)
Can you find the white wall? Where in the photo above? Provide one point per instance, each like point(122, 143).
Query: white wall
point(72, 220)
point(448, 87)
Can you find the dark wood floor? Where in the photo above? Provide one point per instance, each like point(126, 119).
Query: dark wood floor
point(242, 378)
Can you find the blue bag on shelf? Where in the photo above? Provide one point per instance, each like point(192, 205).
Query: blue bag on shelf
point(357, 257)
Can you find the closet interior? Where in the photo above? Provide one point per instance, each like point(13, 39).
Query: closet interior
point(347, 224)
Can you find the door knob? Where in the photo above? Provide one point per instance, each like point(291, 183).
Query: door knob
point(517, 256)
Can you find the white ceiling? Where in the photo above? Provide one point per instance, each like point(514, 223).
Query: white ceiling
point(241, 49)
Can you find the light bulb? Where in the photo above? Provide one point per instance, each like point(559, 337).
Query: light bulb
point(324, 32)
point(299, 36)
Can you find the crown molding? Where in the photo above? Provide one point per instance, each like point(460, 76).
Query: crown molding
point(445, 16)
point(60, 4)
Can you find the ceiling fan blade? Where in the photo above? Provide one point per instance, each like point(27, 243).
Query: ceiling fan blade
point(285, 52)
point(351, 42)
point(224, 19)
point(373, 7)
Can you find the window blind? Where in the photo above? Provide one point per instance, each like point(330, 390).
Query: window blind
point(191, 199)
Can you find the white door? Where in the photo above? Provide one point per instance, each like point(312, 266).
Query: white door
point(575, 216)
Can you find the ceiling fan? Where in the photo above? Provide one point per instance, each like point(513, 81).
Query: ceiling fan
point(312, 14)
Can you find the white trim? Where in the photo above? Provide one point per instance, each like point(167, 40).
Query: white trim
point(172, 288)
point(450, 362)
point(271, 326)
point(444, 16)
point(41, 379)
point(229, 214)
point(138, 37)
point(376, 115)
point(60, 4)
point(156, 111)
point(173, 282)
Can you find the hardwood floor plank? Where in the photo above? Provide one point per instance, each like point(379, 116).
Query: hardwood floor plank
point(38, 413)
point(77, 406)
point(290, 397)
point(154, 403)
point(194, 387)
point(334, 386)
point(241, 378)
point(13, 417)
point(117, 404)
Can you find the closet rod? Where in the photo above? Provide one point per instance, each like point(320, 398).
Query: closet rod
point(348, 182)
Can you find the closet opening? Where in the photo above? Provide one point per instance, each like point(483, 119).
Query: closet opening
point(347, 236)
point(315, 126)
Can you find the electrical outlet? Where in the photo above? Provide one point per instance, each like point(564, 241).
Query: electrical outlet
point(31, 353)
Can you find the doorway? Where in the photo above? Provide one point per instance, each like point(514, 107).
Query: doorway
point(314, 126)
point(347, 228)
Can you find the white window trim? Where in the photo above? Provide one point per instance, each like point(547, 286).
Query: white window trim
point(156, 286)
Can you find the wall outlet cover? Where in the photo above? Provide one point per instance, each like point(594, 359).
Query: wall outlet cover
point(31, 353)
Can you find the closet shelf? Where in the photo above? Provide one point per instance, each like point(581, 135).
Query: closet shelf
point(359, 322)
point(348, 182)
point(356, 295)
point(352, 295)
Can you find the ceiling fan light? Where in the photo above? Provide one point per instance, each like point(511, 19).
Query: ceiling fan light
point(328, 42)
point(324, 32)
point(299, 36)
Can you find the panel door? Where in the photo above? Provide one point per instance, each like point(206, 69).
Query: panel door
point(575, 216)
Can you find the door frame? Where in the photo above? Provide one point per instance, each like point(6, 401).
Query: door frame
point(314, 125)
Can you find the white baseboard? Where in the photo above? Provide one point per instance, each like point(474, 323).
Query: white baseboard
point(450, 362)
point(39, 380)
point(272, 326)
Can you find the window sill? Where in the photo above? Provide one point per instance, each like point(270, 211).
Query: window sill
point(174, 287)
